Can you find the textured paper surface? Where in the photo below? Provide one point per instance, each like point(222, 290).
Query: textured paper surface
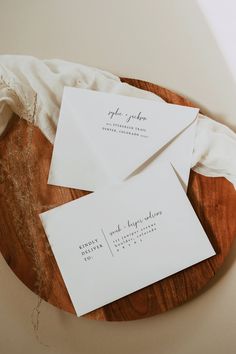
point(115, 241)
point(102, 138)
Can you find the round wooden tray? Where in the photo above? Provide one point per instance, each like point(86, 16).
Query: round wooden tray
point(24, 163)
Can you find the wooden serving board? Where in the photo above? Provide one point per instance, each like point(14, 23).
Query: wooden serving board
point(24, 164)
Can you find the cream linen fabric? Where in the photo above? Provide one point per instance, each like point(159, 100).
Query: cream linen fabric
point(32, 89)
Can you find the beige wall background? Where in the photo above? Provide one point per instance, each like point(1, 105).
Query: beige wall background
point(168, 42)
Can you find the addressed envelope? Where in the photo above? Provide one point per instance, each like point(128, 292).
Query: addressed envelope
point(120, 239)
point(103, 138)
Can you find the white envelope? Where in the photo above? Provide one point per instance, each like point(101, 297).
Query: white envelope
point(103, 138)
point(120, 239)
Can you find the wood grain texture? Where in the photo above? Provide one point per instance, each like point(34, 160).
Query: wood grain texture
point(24, 163)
